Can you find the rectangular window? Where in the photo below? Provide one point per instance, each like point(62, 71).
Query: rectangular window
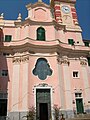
point(88, 58)
point(8, 38)
point(75, 74)
point(86, 44)
point(71, 41)
point(4, 73)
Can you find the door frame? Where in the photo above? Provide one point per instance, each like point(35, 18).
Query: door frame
point(44, 86)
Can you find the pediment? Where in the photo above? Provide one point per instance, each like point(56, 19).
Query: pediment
point(37, 4)
point(40, 14)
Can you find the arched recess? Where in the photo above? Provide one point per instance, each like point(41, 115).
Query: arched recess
point(41, 34)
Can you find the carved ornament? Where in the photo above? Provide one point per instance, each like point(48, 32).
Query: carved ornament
point(63, 60)
point(20, 59)
point(83, 61)
point(42, 85)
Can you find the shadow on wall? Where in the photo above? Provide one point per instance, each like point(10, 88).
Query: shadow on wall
point(4, 78)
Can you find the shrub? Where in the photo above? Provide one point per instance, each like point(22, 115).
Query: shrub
point(31, 113)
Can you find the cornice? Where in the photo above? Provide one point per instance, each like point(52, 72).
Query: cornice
point(57, 25)
point(29, 21)
point(75, 28)
point(45, 47)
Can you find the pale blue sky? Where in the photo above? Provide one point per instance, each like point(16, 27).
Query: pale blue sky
point(11, 8)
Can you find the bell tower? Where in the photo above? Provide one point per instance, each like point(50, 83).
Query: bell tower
point(65, 12)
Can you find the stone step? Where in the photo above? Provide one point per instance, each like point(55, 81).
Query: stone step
point(80, 117)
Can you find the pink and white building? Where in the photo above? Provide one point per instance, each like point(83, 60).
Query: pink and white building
point(44, 62)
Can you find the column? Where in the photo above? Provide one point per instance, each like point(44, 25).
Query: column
point(83, 62)
point(61, 84)
point(15, 83)
point(67, 85)
point(27, 31)
point(17, 33)
point(25, 83)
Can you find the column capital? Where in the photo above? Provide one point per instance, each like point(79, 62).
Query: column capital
point(63, 60)
point(83, 61)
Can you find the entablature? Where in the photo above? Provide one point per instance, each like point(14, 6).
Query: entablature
point(45, 47)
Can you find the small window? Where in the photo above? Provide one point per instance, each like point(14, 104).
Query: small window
point(88, 58)
point(8, 38)
point(86, 44)
point(75, 74)
point(4, 73)
point(71, 41)
point(78, 94)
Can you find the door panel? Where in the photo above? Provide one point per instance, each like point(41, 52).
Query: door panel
point(43, 104)
point(43, 109)
point(79, 105)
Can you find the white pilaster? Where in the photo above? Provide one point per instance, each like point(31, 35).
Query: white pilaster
point(15, 87)
point(27, 32)
point(67, 83)
point(61, 85)
point(17, 33)
point(25, 87)
point(86, 84)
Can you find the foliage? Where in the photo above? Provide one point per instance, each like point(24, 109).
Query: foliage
point(56, 112)
point(31, 113)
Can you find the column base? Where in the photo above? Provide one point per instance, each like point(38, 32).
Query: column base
point(17, 115)
point(67, 113)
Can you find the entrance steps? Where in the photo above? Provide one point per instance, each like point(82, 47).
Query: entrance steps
point(80, 117)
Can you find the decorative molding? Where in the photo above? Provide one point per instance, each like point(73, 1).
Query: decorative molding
point(20, 59)
point(42, 85)
point(83, 61)
point(63, 60)
point(59, 60)
point(25, 58)
point(16, 59)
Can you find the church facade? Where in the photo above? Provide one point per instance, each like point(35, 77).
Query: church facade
point(44, 62)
